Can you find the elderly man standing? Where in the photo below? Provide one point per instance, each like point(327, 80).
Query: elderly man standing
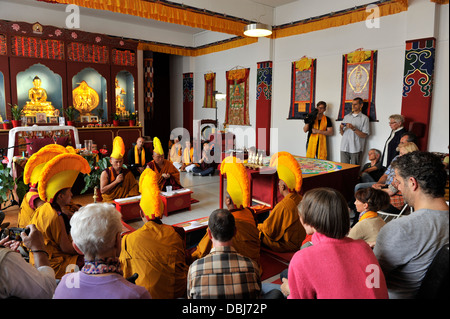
point(406, 246)
point(390, 147)
point(354, 130)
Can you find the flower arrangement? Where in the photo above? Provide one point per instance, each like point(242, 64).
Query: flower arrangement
point(116, 117)
point(132, 116)
point(16, 112)
point(97, 167)
point(70, 113)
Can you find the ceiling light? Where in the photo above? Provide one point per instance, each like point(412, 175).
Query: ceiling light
point(257, 30)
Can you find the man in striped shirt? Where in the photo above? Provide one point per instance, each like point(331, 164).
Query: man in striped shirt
point(223, 273)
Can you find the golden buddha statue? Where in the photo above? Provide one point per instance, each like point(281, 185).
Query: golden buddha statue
point(120, 106)
point(38, 100)
point(85, 99)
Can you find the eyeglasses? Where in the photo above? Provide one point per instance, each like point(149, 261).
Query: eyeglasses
point(390, 123)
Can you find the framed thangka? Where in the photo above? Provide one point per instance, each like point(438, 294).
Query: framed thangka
point(237, 97)
point(303, 87)
point(358, 80)
point(210, 87)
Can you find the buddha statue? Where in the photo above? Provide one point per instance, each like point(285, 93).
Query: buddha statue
point(38, 100)
point(85, 99)
point(120, 106)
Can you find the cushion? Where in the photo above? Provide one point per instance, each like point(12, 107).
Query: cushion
point(37, 143)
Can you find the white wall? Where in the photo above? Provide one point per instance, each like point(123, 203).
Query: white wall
point(328, 46)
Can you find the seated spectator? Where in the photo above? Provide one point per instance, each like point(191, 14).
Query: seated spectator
point(117, 181)
point(372, 171)
point(176, 153)
point(167, 174)
point(207, 164)
point(406, 246)
point(19, 279)
point(246, 241)
point(282, 230)
point(96, 231)
point(138, 157)
point(188, 158)
point(237, 277)
point(52, 218)
point(368, 202)
point(390, 147)
point(335, 266)
point(156, 252)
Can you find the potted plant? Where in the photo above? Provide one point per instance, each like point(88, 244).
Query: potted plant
point(116, 119)
point(100, 112)
point(132, 119)
point(70, 114)
point(17, 114)
point(92, 179)
point(6, 125)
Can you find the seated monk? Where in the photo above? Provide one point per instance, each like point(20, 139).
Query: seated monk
point(246, 241)
point(282, 230)
point(156, 252)
point(116, 181)
point(167, 174)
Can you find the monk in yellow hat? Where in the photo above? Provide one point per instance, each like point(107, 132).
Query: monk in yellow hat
point(246, 241)
point(168, 175)
point(282, 230)
point(52, 219)
point(117, 181)
point(156, 252)
point(32, 170)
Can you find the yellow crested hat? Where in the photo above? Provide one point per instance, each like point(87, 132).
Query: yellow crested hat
point(59, 173)
point(238, 186)
point(37, 161)
point(157, 147)
point(70, 149)
point(288, 169)
point(151, 204)
point(118, 148)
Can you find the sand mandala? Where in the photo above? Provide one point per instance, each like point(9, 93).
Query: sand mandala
point(316, 166)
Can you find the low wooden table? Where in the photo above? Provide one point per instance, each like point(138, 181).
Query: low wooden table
point(177, 201)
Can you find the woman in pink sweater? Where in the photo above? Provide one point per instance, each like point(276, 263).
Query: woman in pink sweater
point(335, 266)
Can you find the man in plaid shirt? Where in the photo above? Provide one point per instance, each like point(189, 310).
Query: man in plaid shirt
point(223, 274)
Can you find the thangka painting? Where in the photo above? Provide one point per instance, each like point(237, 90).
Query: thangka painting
point(358, 80)
point(237, 97)
point(303, 87)
point(210, 87)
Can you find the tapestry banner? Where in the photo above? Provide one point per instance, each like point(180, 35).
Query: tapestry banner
point(303, 87)
point(358, 80)
point(210, 87)
point(148, 88)
point(188, 101)
point(237, 97)
point(263, 105)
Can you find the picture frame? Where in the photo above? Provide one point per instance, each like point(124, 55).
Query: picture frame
point(53, 119)
point(85, 118)
point(41, 118)
point(31, 120)
point(93, 118)
point(62, 121)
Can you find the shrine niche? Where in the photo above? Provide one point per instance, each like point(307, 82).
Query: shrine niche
point(124, 94)
point(89, 93)
point(2, 98)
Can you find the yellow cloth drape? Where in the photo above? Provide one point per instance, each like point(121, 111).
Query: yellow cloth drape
point(318, 140)
point(139, 160)
point(368, 214)
point(187, 155)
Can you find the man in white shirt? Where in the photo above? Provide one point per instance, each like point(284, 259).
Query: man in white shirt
point(20, 279)
point(354, 130)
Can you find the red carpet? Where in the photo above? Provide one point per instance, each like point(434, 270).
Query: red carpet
point(270, 266)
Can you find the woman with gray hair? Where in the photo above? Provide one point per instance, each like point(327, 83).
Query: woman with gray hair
point(96, 230)
point(397, 130)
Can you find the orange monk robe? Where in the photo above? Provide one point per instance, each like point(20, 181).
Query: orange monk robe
point(48, 222)
point(27, 208)
point(129, 186)
point(246, 241)
point(167, 168)
point(157, 253)
point(282, 230)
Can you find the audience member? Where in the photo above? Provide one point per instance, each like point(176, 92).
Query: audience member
point(32, 170)
point(207, 164)
point(156, 252)
point(368, 202)
point(335, 266)
point(117, 181)
point(354, 130)
point(372, 171)
point(96, 232)
point(19, 279)
point(188, 158)
point(406, 246)
point(52, 218)
point(138, 157)
point(390, 147)
point(223, 273)
point(167, 174)
point(282, 230)
point(318, 130)
point(246, 241)
point(176, 153)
